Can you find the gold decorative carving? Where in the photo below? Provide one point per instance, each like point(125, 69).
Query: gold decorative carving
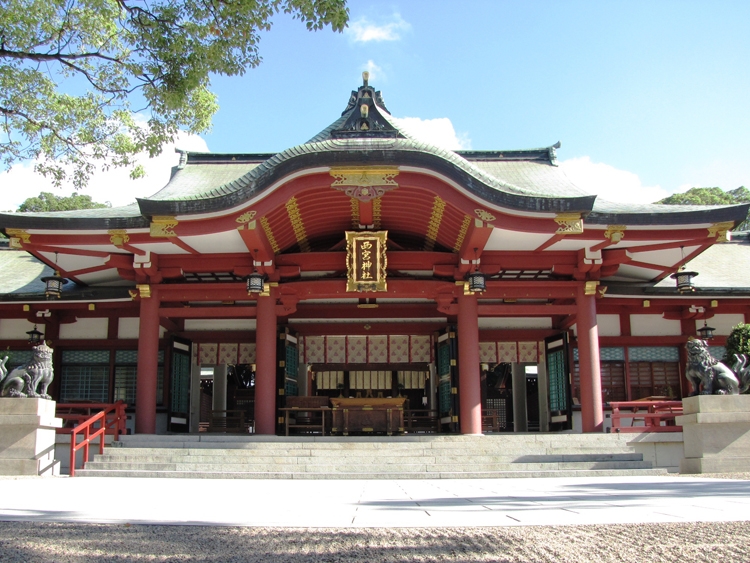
point(18, 236)
point(590, 288)
point(485, 215)
point(366, 261)
point(377, 212)
point(462, 233)
point(118, 237)
point(570, 223)
point(438, 207)
point(163, 226)
point(719, 230)
point(355, 212)
point(133, 294)
point(615, 233)
point(269, 234)
point(144, 290)
point(245, 218)
point(364, 183)
point(295, 217)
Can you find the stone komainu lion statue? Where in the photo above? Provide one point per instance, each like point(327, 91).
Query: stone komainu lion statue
point(31, 379)
point(709, 376)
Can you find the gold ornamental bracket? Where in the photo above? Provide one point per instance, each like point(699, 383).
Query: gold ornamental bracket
point(364, 183)
point(719, 230)
point(118, 237)
point(570, 223)
point(18, 237)
point(162, 226)
point(366, 261)
point(246, 220)
point(615, 233)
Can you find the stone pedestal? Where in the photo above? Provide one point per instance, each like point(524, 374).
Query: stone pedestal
point(716, 431)
point(27, 437)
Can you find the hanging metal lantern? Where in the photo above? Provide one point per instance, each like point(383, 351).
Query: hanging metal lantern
point(255, 283)
point(35, 337)
point(477, 281)
point(684, 281)
point(706, 332)
point(54, 285)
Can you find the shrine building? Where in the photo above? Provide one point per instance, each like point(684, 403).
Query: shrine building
point(483, 288)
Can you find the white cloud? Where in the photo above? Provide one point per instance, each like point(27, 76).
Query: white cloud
point(376, 73)
point(438, 132)
point(609, 182)
point(114, 186)
point(364, 31)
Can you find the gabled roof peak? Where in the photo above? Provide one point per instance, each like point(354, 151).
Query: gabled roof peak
point(365, 91)
point(365, 115)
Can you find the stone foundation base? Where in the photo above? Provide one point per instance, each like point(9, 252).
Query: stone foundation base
point(716, 433)
point(27, 437)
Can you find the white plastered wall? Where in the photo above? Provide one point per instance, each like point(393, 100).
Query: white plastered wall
point(653, 325)
point(609, 325)
point(88, 329)
point(15, 329)
point(722, 323)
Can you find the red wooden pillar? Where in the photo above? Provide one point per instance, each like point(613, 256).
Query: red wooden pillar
point(592, 415)
point(265, 366)
point(469, 387)
point(148, 364)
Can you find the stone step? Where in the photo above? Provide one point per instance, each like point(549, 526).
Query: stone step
point(347, 467)
point(356, 457)
point(411, 457)
point(340, 441)
point(372, 476)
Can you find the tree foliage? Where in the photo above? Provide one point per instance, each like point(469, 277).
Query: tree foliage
point(738, 342)
point(73, 72)
point(47, 201)
point(712, 196)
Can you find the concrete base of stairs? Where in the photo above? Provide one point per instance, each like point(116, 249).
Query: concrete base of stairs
point(403, 457)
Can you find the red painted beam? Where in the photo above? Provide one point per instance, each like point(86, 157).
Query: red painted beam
point(226, 312)
point(525, 310)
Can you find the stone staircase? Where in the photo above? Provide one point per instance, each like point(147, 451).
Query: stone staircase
point(403, 457)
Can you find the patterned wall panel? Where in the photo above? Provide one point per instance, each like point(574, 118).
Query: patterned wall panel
point(488, 352)
point(356, 349)
point(421, 350)
point(194, 354)
point(507, 352)
point(228, 354)
point(315, 349)
point(614, 354)
point(378, 349)
point(399, 349)
point(208, 353)
point(528, 352)
point(540, 346)
point(336, 349)
point(247, 353)
point(654, 354)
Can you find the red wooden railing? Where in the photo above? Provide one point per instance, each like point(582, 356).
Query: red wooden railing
point(110, 419)
point(656, 416)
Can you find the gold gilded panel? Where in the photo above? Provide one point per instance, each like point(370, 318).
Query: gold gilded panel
point(366, 261)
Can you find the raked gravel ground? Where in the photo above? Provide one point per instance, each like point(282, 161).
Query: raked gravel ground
point(642, 543)
point(703, 542)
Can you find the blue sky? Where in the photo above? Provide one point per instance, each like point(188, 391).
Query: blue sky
point(647, 98)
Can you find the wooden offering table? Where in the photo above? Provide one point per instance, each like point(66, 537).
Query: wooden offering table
point(368, 415)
